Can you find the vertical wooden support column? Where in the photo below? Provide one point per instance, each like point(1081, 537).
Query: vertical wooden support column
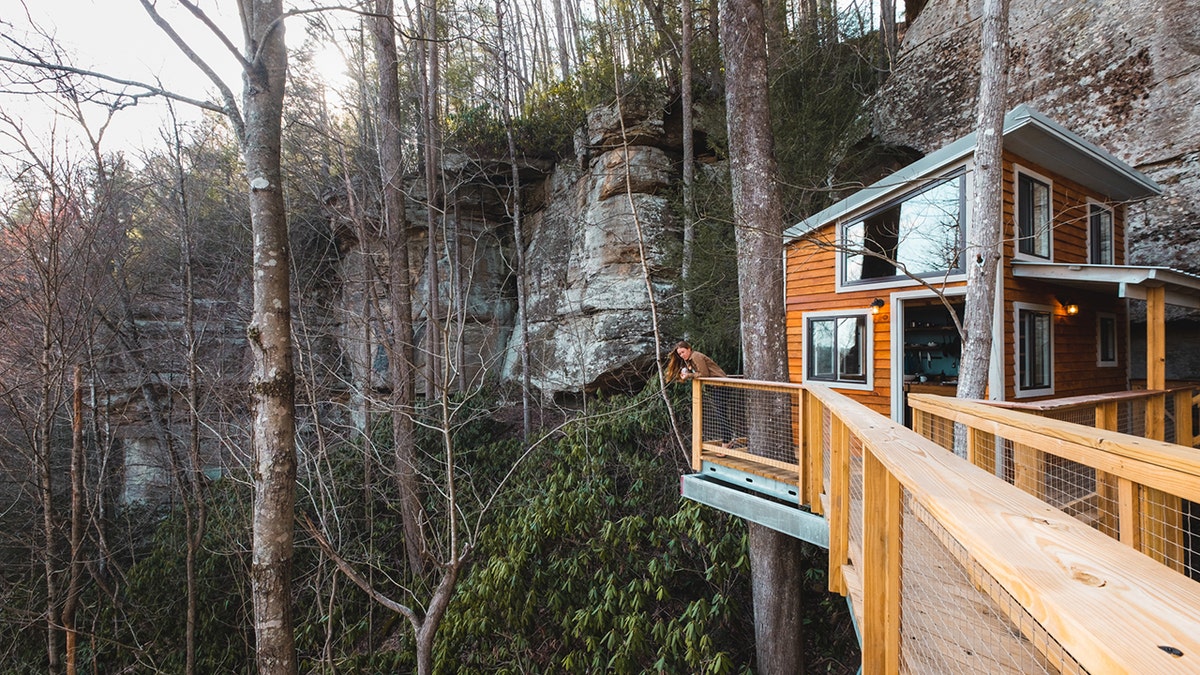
point(1029, 474)
point(882, 504)
point(1161, 518)
point(798, 436)
point(1106, 484)
point(697, 423)
point(1129, 508)
point(1156, 416)
point(1156, 360)
point(814, 450)
point(973, 443)
point(839, 505)
point(1184, 434)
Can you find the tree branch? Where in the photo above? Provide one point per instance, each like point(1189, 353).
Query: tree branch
point(353, 575)
point(231, 109)
point(151, 90)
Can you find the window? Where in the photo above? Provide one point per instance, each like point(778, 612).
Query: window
point(918, 234)
point(838, 349)
point(1033, 216)
point(1035, 350)
point(1106, 340)
point(1100, 235)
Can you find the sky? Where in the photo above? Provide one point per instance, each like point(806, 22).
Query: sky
point(117, 37)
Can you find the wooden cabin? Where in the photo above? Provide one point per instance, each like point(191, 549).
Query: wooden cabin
point(872, 281)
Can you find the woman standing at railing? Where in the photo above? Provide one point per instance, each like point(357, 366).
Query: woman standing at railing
point(686, 363)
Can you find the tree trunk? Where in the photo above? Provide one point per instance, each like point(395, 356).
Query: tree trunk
point(433, 348)
point(986, 229)
point(273, 379)
point(75, 564)
point(758, 214)
point(689, 154)
point(400, 358)
point(888, 36)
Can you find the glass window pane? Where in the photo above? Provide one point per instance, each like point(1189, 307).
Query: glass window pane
point(1033, 216)
point(850, 341)
point(1036, 329)
point(1107, 339)
point(821, 348)
point(918, 235)
point(1101, 235)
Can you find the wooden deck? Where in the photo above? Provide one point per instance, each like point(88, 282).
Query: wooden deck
point(953, 569)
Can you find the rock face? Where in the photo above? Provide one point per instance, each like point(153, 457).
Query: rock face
point(1124, 75)
point(587, 228)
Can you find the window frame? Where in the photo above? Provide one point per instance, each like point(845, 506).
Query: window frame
point(1101, 361)
point(1019, 237)
point(844, 248)
point(1095, 208)
point(1022, 390)
point(866, 349)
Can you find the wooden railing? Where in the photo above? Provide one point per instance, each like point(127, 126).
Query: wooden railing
point(951, 568)
point(1160, 415)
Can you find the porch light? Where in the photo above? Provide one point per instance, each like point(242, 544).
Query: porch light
point(876, 305)
point(1071, 308)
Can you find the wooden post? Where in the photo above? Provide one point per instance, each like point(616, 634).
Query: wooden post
point(798, 437)
point(1129, 509)
point(697, 423)
point(1156, 338)
point(839, 505)
point(814, 449)
point(1106, 485)
point(1183, 418)
point(1161, 518)
point(882, 504)
point(1028, 472)
point(1156, 360)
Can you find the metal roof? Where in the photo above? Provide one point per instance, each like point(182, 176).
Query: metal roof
point(1131, 281)
point(1028, 134)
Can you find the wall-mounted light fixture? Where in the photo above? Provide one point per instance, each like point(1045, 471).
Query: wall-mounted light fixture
point(876, 305)
point(1070, 307)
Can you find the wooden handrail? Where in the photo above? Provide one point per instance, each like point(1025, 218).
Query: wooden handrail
point(1086, 401)
point(1158, 464)
point(1110, 608)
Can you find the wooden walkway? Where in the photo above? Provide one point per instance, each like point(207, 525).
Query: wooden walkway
point(951, 569)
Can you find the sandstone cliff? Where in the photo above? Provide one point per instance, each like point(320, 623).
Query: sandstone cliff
point(1124, 75)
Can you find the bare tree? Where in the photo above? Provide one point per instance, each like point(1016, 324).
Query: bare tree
point(689, 151)
point(258, 126)
point(400, 353)
point(984, 235)
point(774, 557)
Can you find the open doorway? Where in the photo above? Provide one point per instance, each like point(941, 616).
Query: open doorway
point(930, 348)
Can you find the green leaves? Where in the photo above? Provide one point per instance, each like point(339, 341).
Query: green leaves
point(601, 567)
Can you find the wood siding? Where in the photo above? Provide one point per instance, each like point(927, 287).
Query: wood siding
point(1075, 337)
point(812, 287)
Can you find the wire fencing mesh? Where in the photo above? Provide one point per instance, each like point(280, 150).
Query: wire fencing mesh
point(1167, 526)
point(956, 618)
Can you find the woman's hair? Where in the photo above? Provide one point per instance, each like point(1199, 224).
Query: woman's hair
point(675, 362)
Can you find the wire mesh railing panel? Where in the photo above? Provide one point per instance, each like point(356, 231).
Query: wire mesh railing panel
point(826, 446)
point(1131, 418)
point(1169, 530)
point(941, 431)
point(1085, 415)
point(762, 422)
point(982, 451)
point(955, 617)
point(856, 493)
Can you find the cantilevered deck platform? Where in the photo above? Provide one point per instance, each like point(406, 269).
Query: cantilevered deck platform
point(973, 565)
